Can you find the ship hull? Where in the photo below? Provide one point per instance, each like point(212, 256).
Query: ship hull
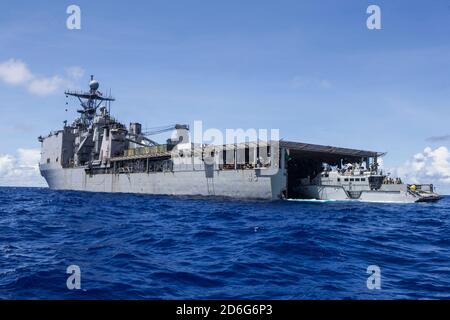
point(240, 184)
point(387, 194)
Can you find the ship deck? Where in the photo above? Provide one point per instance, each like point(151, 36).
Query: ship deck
point(144, 156)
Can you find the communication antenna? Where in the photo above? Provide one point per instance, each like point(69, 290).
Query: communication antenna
point(90, 101)
point(109, 102)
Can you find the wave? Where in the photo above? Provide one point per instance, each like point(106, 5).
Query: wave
point(159, 247)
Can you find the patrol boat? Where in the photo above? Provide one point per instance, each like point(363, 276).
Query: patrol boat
point(355, 182)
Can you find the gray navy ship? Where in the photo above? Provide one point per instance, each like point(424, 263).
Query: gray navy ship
point(97, 153)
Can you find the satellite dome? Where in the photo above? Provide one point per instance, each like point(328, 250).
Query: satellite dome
point(94, 85)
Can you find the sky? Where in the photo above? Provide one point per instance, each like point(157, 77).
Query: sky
point(311, 69)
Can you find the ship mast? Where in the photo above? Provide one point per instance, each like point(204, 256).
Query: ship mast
point(89, 101)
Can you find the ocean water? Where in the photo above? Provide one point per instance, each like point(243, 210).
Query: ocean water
point(157, 247)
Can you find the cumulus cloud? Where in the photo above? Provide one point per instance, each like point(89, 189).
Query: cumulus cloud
point(46, 86)
point(16, 73)
point(429, 166)
point(21, 169)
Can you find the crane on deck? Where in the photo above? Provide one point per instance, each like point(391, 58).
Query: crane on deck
point(144, 135)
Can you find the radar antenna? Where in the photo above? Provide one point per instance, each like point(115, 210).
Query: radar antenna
point(90, 101)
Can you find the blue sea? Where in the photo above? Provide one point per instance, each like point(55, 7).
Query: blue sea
point(158, 247)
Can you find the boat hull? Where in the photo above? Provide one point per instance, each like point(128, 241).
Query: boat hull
point(387, 194)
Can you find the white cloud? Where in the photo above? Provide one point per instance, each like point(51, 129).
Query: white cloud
point(21, 169)
point(29, 157)
point(6, 164)
point(429, 166)
point(15, 72)
point(46, 86)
